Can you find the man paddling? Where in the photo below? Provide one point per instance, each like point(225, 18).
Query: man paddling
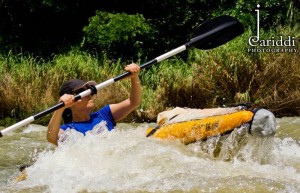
point(77, 115)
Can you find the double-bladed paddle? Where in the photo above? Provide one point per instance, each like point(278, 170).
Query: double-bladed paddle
point(208, 35)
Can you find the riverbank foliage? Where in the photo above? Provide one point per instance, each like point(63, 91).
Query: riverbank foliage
point(219, 77)
point(44, 43)
point(48, 27)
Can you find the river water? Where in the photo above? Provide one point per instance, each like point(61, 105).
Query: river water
point(125, 161)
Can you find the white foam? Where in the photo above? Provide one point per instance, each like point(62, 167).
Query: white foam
point(34, 128)
point(124, 160)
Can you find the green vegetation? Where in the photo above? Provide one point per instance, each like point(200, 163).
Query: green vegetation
point(43, 43)
point(106, 33)
point(48, 27)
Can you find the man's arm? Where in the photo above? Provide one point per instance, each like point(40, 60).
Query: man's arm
point(122, 109)
point(54, 130)
point(54, 127)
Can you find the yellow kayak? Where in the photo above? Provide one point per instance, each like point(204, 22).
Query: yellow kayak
point(262, 123)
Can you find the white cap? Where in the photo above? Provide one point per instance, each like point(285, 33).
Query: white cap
point(263, 124)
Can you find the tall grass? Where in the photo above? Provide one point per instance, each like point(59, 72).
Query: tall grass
point(218, 77)
point(264, 79)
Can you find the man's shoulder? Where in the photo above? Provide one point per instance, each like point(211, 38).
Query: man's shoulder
point(101, 111)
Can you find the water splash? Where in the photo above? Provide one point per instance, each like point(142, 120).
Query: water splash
point(125, 161)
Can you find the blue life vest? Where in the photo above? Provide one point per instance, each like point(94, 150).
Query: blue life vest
point(96, 118)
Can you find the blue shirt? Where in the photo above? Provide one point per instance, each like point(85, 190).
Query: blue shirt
point(102, 116)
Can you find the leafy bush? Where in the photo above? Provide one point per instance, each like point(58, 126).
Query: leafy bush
point(118, 35)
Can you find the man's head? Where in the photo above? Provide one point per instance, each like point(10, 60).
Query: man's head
point(75, 86)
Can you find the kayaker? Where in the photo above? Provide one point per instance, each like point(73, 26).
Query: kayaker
point(77, 115)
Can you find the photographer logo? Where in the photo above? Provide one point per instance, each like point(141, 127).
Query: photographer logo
point(273, 44)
